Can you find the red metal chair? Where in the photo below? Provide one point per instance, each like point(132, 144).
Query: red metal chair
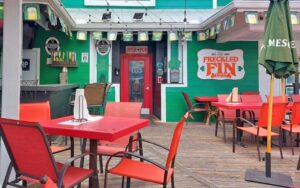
point(252, 115)
point(260, 130)
point(192, 107)
point(294, 125)
point(148, 170)
point(39, 112)
point(119, 109)
point(224, 116)
point(31, 158)
point(296, 98)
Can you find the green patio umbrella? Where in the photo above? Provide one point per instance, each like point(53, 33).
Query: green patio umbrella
point(278, 55)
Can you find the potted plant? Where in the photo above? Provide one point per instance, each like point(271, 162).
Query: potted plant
point(174, 65)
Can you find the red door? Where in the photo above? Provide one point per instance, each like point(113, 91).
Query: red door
point(136, 80)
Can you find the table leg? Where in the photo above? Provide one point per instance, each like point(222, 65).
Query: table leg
point(239, 133)
point(93, 181)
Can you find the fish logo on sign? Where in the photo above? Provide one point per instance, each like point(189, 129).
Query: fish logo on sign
point(220, 65)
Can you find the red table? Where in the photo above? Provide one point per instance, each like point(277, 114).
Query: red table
point(107, 128)
point(207, 101)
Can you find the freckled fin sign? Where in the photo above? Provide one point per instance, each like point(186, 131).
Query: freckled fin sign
point(220, 65)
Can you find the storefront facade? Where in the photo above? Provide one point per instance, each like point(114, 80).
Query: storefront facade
point(154, 72)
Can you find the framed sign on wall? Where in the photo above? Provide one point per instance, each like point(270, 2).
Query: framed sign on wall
point(220, 65)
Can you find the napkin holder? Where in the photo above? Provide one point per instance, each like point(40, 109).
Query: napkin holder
point(233, 97)
point(80, 111)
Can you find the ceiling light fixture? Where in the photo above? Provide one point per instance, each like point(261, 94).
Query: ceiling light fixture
point(251, 17)
point(295, 18)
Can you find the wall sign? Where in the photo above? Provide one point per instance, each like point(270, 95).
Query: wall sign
point(103, 47)
point(220, 65)
point(52, 45)
point(136, 49)
point(84, 57)
point(25, 64)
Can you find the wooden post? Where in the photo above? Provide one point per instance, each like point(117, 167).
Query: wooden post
point(269, 138)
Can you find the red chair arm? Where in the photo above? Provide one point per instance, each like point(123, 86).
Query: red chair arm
point(247, 121)
point(68, 163)
point(147, 141)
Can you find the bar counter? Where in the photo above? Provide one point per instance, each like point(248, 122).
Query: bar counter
point(57, 94)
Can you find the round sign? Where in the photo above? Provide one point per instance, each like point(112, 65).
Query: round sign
point(51, 45)
point(103, 47)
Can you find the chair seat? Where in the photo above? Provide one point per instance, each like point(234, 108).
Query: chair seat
point(296, 128)
point(108, 150)
point(72, 177)
point(253, 130)
point(57, 149)
point(141, 170)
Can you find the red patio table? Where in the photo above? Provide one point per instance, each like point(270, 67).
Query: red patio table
point(106, 128)
point(207, 100)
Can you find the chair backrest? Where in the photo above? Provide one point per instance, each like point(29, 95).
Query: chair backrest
point(187, 100)
point(36, 112)
point(175, 141)
point(95, 93)
point(278, 99)
point(251, 98)
point(228, 114)
point(278, 112)
point(295, 118)
point(296, 98)
point(123, 109)
point(28, 149)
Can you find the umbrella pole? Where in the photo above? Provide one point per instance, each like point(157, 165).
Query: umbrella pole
point(283, 89)
point(269, 141)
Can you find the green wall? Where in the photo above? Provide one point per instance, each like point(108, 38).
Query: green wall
point(50, 75)
point(197, 87)
point(223, 2)
point(160, 4)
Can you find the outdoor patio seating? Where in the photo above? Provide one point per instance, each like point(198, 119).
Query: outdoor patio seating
point(31, 157)
point(260, 130)
point(148, 170)
point(224, 116)
point(293, 126)
point(252, 115)
point(119, 109)
point(39, 112)
point(196, 107)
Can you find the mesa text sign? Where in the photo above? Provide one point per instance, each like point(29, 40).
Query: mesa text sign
point(220, 65)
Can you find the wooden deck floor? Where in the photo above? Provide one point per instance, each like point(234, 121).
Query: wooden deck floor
point(204, 160)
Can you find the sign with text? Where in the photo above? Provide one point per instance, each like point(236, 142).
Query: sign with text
point(220, 65)
point(25, 64)
point(136, 49)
